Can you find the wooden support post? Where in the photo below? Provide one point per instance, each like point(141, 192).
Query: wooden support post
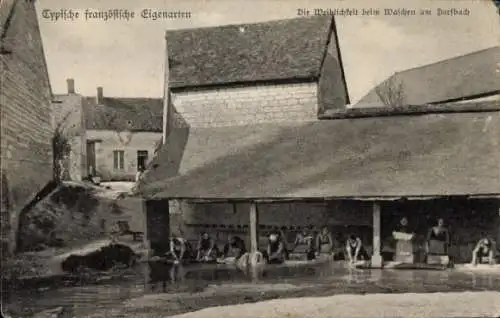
point(254, 257)
point(376, 256)
point(158, 226)
point(254, 226)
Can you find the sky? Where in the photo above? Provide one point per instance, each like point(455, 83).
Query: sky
point(127, 58)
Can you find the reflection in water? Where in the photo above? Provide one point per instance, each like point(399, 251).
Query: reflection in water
point(163, 278)
point(482, 281)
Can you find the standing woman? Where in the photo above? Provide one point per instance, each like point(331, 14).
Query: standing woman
point(438, 239)
point(178, 249)
point(324, 242)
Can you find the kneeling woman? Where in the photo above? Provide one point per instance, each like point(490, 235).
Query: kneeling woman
point(304, 244)
point(355, 250)
point(235, 247)
point(276, 251)
point(207, 250)
point(484, 249)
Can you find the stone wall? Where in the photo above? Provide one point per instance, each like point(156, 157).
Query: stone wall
point(26, 130)
point(233, 106)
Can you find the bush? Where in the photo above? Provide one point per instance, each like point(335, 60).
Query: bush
point(70, 213)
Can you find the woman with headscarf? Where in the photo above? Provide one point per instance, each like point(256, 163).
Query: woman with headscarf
point(403, 237)
point(276, 251)
point(403, 226)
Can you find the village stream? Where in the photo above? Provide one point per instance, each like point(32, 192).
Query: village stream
point(79, 300)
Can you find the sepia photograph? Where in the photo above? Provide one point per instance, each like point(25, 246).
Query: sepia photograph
point(235, 158)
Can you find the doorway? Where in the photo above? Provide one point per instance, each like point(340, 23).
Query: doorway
point(91, 160)
point(142, 159)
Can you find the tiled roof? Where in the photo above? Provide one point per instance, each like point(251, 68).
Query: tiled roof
point(136, 114)
point(424, 155)
point(465, 76)
point(275, 50)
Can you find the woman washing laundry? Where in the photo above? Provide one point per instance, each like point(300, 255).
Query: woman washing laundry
point(275, 252)
point(484, 250)
point(355, 250)
point(207, 250)
point(324, 242)
point(234, 248)
point(304, 243)
point(178, 249)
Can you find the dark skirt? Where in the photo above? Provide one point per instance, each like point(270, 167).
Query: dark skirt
point(437, 247)
point(280, 260)
point(362, 255)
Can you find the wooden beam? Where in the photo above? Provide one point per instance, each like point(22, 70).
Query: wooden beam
point(409, 110)
point(376, 257)
point(254, 228)
point(376, 228)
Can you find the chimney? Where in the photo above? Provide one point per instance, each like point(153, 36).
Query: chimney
point(71, 85)
point(100, 96)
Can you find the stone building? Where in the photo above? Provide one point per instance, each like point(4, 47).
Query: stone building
point(277, 73)
point(25, 101)
point(258, 137)
point(110, 137)
point(284, 71)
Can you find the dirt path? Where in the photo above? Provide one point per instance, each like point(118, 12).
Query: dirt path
point(467, 304)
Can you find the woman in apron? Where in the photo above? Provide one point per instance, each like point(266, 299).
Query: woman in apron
point(324, 242)
point(438, 240)
point(304, 243)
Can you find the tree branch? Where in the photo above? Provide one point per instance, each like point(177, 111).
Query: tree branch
point(391, 93)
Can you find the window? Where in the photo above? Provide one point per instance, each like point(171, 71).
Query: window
point(119, 160)
point(142, 159)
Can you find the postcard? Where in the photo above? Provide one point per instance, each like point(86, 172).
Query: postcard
point(266, 158)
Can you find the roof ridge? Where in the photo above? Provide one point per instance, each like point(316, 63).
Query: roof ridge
point(247, 23)
point(5, 17)
point(116, 97)
point(456, 57)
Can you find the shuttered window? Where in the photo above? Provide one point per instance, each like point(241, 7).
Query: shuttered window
point(119, 160)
